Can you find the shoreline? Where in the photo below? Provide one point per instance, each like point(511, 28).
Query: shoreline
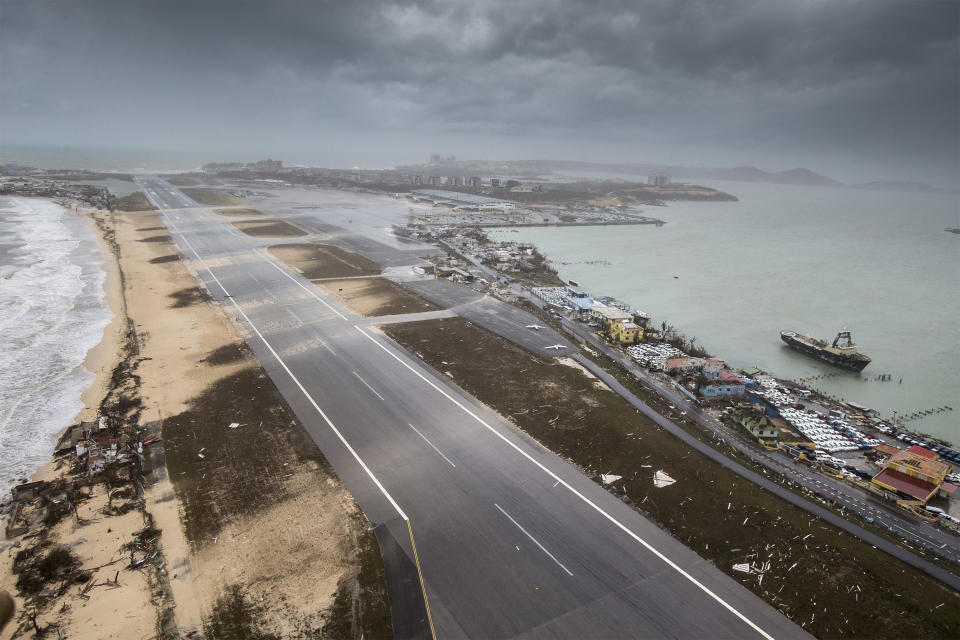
point(160, 366)
point(834, 394)
point(102, 358)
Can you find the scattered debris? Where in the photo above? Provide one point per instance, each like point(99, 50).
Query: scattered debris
point(661, 479)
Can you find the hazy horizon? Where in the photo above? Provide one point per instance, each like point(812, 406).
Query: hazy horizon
point(857, 91)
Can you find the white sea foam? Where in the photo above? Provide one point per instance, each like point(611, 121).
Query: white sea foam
point(53, 309)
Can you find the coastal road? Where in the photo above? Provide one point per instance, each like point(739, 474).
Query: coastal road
point(509, 540)
point(933, 539)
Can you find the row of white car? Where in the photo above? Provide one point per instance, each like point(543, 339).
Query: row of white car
point(654, 350)
point(812, 426)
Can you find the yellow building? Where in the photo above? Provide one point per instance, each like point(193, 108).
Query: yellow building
point(625, 332)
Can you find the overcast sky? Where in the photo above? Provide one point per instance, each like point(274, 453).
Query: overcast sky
point(856, 90)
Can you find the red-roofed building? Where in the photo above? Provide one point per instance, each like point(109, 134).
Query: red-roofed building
point(913, 474)
point(907, 485)
point(920, 451)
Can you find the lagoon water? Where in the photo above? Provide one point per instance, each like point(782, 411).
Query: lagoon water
point(809, 259)
point(53, 309)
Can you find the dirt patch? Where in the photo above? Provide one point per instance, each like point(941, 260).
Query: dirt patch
point(227, 354)
point(827, 581)
point(186, 297)
point(269, 229)
point(236, 615)
point(597, 382)
point(160, 238)
point(239, 213)
point(316, 261)
point(183, 181)
point(376, 296)
point(135, 201)
point(212, 197)
point(223, 473)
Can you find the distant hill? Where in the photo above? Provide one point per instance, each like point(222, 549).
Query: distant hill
point(534, 169)
point(740, 174)
point(898, 185)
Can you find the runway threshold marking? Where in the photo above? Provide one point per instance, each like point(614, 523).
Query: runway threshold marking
point(432, 445)
point(582, 497)
point(368, 386)
point(313, 402)
point(535, 541)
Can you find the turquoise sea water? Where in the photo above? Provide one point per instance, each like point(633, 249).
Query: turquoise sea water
point(810, 259)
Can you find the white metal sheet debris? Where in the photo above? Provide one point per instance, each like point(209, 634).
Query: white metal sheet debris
point(660, 479)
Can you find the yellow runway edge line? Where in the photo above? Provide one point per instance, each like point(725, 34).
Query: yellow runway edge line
point(423, 587)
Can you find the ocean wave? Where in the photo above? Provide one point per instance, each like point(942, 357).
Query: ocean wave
point(53, 309)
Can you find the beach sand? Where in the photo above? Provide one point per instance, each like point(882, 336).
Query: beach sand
point(292, 555)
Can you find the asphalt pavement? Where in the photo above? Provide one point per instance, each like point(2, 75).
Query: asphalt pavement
point(507, 539)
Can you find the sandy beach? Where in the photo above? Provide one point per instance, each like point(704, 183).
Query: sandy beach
point(280, 556)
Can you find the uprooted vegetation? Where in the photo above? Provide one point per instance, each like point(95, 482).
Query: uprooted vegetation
point(827, 581)
point(45, 570)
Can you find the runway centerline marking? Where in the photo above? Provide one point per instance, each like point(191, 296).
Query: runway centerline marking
point(527, 533)
point(673, 565)
point(432, 445)
point(368, 386)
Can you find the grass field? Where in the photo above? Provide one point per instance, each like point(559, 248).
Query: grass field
point(239, 213)
point(376, 296)
point(212, 197)
point(317, 261)
point(136, 201)
point(269, 229)
point(825, 580)
point(227, 475)
point(183, 181)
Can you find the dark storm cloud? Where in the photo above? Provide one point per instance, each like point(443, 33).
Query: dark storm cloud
point(831, 83)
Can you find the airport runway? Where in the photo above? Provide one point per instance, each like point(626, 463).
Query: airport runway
point(510, 540)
